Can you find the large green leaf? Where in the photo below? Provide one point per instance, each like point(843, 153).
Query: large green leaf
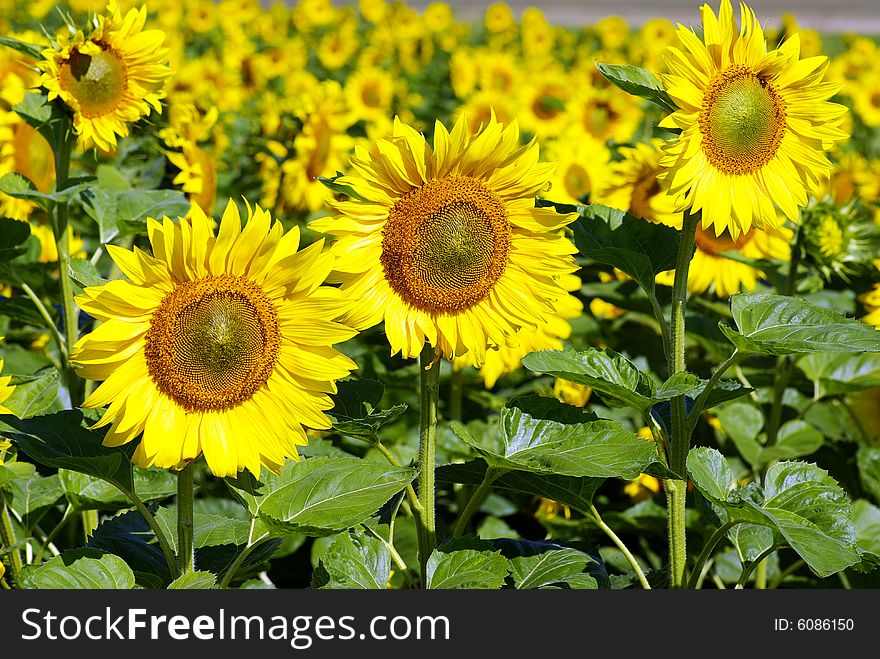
point(631, 244)
point(86, 492)
point(82, 569)
point(466, 568)
point(569, 490)
point(615, 377)
point(638, 82)
point(354, 560)
point(780, 325)
point(711, 473)
point(34, 394)
point(806, 508)
point(60, 440)
point(544, 436)
point(321, 496)
point(550, 568)
point(355, 412)
point(836, 374)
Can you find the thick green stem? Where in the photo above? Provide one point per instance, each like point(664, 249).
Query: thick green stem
point(75, 385)
point(708, 548)
point(429, 390)
point(7, 535)
point(761, 575)
point(476, 500)
point(622, 547)
point(185, 539)
point(90, 523)
point(681, 439)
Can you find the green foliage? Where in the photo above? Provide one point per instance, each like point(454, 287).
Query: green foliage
point(354, 560)
point(780, 325)
point(544, 436)
point(79, 570)
point(466, 568)
point(320, 496)
point(804, 507)
point(638, 82)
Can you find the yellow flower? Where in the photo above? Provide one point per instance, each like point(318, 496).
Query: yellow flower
point(499, 18)
point(572, 393)
point(216, 344)
point(582, 169)
point(755, 124)
point(866, 98)
point(871, 301)
point(549, 336)
point(369, 93)
point(109, 79)
point(642, 487)
point(5, 392)
point(445, 244)
point(612, 31)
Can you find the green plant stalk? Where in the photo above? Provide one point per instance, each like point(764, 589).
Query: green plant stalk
point(239, 560)
point(747, 570)
point(44, 314)
point(185, 539)
point(761, 575)
point(676, 490)
point(429, 391)
point(640, 575)
point(476, 500)
point(395, 555)
point(714, 539)
point(68, 513)
point(7, 536)
point(74, 384)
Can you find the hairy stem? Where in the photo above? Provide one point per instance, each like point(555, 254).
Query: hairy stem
point(185, 539)
point(681, 439)
point(429, 391)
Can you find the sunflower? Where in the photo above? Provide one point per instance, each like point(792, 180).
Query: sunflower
point(446, 244)
point(712, 271)
point(549, 336)
point(582, 167)
point(632, 185)
point(5, 392)
point(112, 77)
point(755, 124)
point(219, 345)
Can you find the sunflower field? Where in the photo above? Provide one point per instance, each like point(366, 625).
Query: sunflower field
point(362, 296)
